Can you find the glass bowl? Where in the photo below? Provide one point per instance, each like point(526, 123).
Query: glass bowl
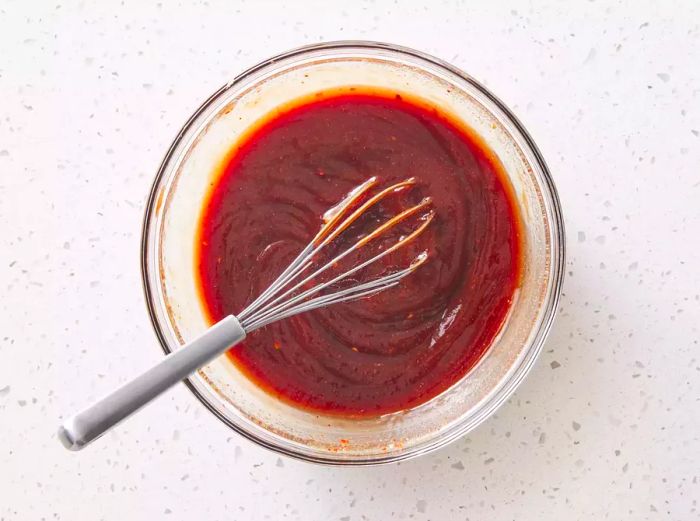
point(180, 189)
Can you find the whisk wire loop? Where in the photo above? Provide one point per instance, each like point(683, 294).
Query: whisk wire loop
point(271, 305)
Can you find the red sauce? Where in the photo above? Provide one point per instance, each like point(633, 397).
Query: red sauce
point(401, 347)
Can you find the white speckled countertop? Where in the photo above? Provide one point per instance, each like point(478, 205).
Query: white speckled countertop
point(607, 425)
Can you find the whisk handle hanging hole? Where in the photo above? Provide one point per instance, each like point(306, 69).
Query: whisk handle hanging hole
point(89, 424)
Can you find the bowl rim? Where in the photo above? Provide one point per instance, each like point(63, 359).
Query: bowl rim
point(558, 256)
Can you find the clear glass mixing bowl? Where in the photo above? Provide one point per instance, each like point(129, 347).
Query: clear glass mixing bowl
point(175, 203)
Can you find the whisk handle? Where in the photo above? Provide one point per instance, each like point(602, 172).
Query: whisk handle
point(89, 424)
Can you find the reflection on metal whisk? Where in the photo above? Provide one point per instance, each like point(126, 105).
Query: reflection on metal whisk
point(271, 305)
point(286, 296)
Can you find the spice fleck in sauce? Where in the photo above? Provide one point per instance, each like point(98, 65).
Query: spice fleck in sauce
point(396, 349)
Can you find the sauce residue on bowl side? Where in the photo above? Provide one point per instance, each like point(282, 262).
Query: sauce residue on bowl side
point(399, 348)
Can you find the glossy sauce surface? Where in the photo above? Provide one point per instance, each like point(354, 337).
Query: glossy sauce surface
point(401, 347)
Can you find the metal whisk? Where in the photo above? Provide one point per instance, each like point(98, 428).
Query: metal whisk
point(291, 293)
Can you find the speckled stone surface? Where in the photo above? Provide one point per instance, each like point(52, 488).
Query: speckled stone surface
point(607, 425)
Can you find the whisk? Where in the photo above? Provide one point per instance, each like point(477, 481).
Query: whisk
point(290, 294)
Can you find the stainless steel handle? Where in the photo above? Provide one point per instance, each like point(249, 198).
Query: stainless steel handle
point(89, 424)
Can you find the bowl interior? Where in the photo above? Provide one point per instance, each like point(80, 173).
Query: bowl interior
point(181, 189)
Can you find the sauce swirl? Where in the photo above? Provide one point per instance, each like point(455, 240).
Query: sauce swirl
point(399, 348)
